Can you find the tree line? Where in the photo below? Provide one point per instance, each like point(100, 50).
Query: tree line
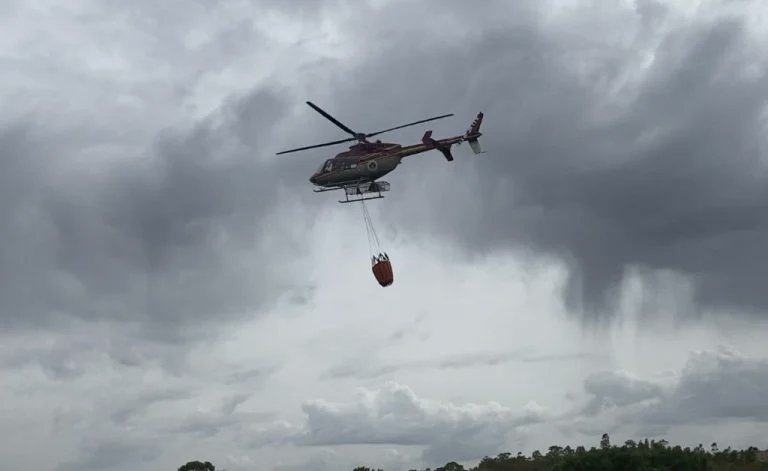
point(643, 455)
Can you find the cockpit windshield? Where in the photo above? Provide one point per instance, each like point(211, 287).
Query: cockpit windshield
point(326, 167)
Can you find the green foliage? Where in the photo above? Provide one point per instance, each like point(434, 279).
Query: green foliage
point(642, 455)
point(198, 466)
point(605, 442)
point(452, 466)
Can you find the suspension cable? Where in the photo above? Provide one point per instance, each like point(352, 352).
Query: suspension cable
point(370, 229)
point(367, 228)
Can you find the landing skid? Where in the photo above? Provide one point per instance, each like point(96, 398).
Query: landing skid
point(354, 200)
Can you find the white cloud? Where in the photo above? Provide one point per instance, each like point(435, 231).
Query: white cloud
point(395, 415)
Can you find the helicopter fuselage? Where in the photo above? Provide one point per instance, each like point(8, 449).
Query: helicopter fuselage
point(351, 169)
point(367, 162)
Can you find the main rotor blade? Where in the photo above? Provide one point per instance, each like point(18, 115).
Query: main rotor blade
point(409, 124)
point(317, 145)
point(331, 118)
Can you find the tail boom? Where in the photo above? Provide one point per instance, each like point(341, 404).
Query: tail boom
point(444, 145)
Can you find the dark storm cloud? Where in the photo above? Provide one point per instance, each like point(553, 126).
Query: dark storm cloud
point(113, 455)
point(594, 158)
point(364, 367)
point(130, 407)
point(59, 359)
point(228, 417)
point(171, 238)
point(715, 386)
point(251, 376)
point(610, 389)
point(712, 387)
point(206, 426)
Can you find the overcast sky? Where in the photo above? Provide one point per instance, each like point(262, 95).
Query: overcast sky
point(172, 290)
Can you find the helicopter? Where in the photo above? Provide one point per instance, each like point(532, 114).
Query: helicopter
point(357, 171)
